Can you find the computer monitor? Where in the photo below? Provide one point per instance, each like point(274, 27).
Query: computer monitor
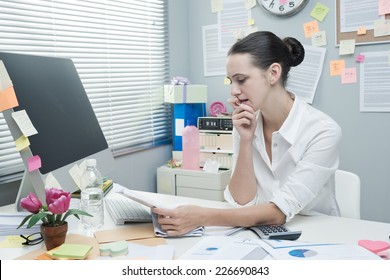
point(51, 92)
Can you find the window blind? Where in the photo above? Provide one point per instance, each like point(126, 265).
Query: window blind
point(120, 50)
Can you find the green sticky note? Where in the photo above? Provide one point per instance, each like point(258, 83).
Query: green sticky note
point(319, 12)
point(72, 251)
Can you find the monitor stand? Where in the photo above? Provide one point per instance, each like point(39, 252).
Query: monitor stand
point(27, 186)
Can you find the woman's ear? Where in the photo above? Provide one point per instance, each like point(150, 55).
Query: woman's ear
point(275, 71)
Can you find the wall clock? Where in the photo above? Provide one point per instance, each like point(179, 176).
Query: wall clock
point(282, 8)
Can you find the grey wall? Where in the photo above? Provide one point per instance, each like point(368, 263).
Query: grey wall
point(365, 147)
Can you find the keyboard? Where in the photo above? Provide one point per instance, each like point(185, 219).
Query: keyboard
point(127, 211)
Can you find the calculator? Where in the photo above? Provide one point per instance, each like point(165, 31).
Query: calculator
point(276, 232)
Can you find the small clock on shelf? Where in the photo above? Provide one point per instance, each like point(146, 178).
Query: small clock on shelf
point(283, 8)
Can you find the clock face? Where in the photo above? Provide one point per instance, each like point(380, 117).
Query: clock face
point(283, 8)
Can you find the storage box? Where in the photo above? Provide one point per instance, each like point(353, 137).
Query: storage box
point(181, 114)
point(192, 94)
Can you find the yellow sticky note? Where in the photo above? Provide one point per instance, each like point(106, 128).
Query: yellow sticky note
point(336, 66)
point(8, 99)
point(348, 75)
point(347, 47)
point(310, 27)
point(251, 21)
point(21, 143)
point(12, 241)
point(319, 12)
point(227, 81)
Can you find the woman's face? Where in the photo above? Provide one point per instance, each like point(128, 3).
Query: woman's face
point(249, 84)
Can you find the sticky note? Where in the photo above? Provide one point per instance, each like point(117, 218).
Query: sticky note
point(360, 58)
point(361, 31)
point(76, 174)
point(347, 47)
point(381, 27)
point(249, 4)
point(227, 81)
point(319, 11)
point(216, 6)
point(383, 7)
point(348, 75)
point(8, 99)
point(318, 39)
point(114, 249)
point(34, 163)
point(251, 21)
point(336, 66)
point(22, 143)
point(72, 251)
point(23, 121)
point(310, 27)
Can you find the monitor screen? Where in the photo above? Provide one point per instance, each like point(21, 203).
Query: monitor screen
point(50, 91)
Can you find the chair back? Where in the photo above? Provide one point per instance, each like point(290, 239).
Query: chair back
point(348, 193)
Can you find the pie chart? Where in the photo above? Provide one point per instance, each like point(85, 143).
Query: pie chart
point(302, 253)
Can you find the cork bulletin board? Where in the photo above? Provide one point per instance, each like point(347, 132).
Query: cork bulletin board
point(367, 38)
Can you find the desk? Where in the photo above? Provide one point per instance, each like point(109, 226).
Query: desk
point(325, 229)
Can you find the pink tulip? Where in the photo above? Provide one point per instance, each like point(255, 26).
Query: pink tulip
point(57, 200)
point(31, 203)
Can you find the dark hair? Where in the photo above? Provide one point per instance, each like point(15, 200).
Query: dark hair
point(267, 48)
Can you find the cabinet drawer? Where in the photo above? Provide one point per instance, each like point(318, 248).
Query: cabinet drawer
point(201, 193)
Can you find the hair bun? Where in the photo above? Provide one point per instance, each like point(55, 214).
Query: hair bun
point(296, 50)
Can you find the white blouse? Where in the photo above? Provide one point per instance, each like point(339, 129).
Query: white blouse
point(300, 178)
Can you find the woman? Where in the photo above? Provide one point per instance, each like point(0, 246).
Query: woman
point(285, 151)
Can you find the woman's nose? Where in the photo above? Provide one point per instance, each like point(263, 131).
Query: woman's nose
point(235, 90)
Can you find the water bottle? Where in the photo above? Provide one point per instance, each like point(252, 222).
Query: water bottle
point(92, 197)
point(191, 146)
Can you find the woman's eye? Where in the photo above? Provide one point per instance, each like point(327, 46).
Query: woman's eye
point(241, 81)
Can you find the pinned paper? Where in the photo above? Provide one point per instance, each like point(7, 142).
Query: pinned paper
point(348, 75)
point(318, 39)
point(76, 174)
point(360, 58)
point(23, 121)
point(34, 163)
point(319, 12)
point(362, 31)
point(347, 47)
point(5, 80)
point(8, 99)
point(336, 66)
point(381, 27)
point(22, 143)
point(310, 27)
point(216, 6)
point(51, 182)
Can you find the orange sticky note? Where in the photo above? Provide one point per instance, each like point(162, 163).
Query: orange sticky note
point(310, 27)
point(336, 66)
point(361, 31)
point(34, 163)
point(348, 75)
point(8, 99)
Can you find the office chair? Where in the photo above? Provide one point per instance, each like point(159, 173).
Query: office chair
point(348, 193)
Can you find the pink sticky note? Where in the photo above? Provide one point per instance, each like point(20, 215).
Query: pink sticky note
point(34, 163)
point(383, 7)
point(348, 76)
point(360, 58)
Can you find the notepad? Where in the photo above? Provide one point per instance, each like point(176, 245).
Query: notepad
point(71, 251)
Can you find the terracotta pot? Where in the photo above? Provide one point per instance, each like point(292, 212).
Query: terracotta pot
point(54, 236)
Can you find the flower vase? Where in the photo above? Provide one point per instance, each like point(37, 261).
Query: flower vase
point(54, 236)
